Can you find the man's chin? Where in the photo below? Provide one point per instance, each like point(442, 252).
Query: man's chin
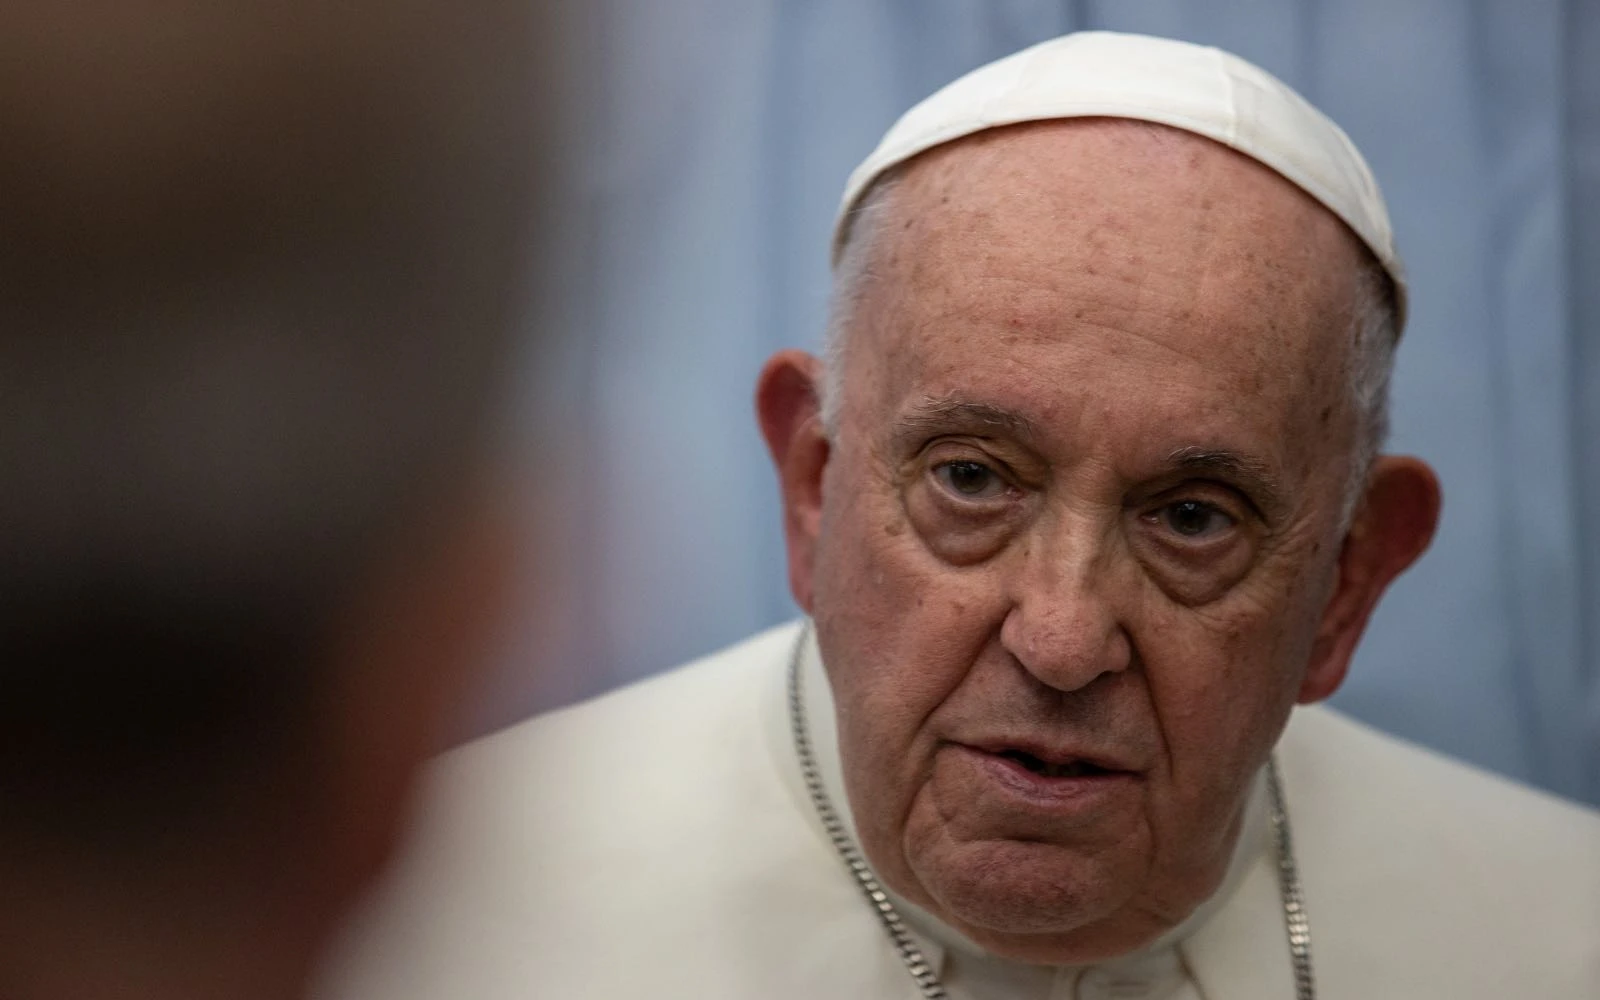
point(1029, 902)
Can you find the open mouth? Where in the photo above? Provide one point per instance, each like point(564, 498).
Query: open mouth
point(1071, 769)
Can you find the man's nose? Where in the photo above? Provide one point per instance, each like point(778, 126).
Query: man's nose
point(1062, 626)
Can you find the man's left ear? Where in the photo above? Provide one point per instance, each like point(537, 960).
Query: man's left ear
point(1392, 527)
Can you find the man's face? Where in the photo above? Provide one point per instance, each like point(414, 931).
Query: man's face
point(1080, 522)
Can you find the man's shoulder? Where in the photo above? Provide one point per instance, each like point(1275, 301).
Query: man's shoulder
point(1417, 864)
point(646, 841)
point(1421, 791)
point(719, 688)
point(676, 752)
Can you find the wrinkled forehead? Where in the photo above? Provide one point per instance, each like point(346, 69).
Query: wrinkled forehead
point(1036, 268)
point(1114, 222)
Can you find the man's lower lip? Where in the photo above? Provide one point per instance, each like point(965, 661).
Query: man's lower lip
point(1015, 778)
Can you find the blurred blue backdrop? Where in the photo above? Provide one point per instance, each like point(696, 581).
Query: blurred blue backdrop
point(717, 138)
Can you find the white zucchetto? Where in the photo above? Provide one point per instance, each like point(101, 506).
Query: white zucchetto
point(1186, 86)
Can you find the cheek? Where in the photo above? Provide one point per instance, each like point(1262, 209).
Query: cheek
point(1223, 680)
point(898, 629)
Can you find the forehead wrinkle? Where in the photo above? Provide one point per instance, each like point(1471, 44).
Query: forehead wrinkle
point(936, 414)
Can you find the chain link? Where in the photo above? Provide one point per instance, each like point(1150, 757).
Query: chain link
point(1295, 922)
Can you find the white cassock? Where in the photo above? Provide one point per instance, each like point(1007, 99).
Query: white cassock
point(659, 842)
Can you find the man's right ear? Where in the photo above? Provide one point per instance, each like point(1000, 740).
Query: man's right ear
point(789, 406)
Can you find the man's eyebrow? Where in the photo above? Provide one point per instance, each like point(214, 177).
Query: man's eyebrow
point(1249, 474)
point(934, 415)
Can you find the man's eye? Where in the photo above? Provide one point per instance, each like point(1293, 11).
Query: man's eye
point(1195, 519)
point(969, 480)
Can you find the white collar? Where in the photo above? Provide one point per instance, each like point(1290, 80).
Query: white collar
point(947, 947)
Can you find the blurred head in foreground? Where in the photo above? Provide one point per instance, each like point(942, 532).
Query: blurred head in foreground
point(260, 264)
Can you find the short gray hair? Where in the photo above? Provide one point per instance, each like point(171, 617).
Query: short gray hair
point(1374, 332)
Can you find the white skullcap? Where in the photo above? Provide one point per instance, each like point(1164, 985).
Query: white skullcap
point(1191, 87)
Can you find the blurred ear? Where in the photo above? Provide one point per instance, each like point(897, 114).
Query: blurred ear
point(1392, 527)
point(410, 655)
point(788, 405)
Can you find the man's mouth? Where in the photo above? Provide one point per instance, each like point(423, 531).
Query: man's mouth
point(1069, 769)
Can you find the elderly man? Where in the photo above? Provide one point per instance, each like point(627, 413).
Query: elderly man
point(1084, 500)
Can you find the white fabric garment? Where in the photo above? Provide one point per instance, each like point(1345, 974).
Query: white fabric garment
point(1106, 74)
point(657, 842)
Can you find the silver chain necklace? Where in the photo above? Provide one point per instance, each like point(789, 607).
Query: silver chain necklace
point(1294, 910)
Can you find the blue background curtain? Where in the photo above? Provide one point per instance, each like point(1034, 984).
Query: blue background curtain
point(716, 138)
